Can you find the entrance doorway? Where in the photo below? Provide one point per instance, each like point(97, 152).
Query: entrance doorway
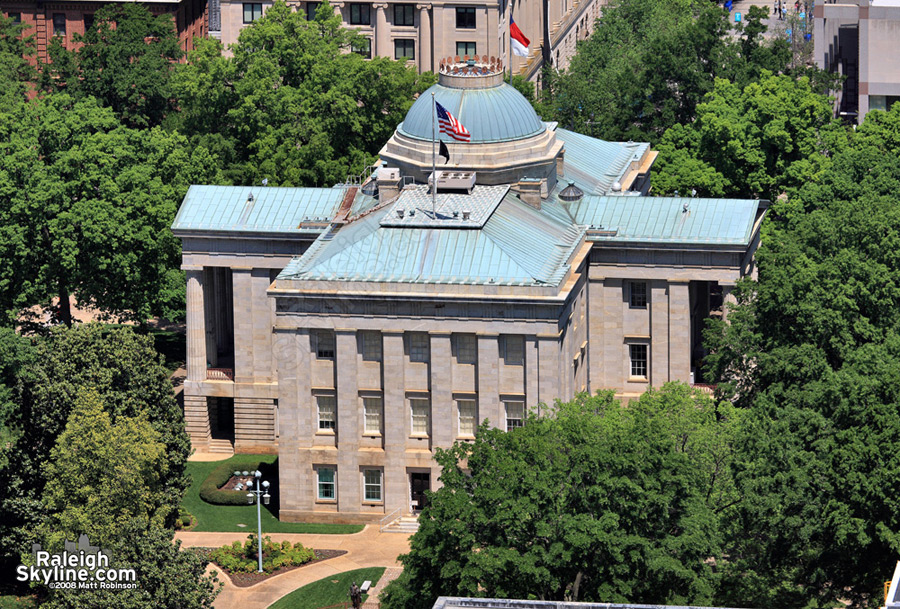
point(418, 484)
point(221, 418)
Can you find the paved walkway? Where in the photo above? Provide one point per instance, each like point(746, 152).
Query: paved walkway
point(368, 548)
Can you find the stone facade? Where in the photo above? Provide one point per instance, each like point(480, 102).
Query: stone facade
point(434, 31)
point(858, 39)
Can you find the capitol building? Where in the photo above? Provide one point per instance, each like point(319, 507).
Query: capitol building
point(353, 330)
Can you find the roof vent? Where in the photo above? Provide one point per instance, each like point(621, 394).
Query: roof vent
point(250, 198)
point(400, 213)
point(412, 213)
point(466, 215)
point(571, 193)
point(617, 186)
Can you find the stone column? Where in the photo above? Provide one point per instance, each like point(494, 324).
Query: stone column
point(489, 406)
point(242, 295)
point(659, 333)
point(613, 336)
point(442, 407)
point(425, 61)
point(679, 331)
point(595, 334)
point(196, 325)
point(727, 298)
point(382, 32)
point(396, 424)
point(348, 421)
point(532, 369)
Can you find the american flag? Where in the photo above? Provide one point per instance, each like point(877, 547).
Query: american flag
point(450, 126)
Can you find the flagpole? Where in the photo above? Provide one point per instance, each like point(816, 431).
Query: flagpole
point(433, 162)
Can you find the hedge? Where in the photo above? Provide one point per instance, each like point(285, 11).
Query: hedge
point(210, 490)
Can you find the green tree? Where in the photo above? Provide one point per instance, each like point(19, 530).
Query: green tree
point(770, 137)
point(15, 352)
point(292, 105)
point(125, 60)
point(102, 475)
point(85, 209)
point(812, 352)
point(167, 576)
point(16, 48)
point(128, 376)
point(595, 501)
point(649, 63)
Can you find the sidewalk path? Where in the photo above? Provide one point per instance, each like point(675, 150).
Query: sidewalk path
point(368, 548)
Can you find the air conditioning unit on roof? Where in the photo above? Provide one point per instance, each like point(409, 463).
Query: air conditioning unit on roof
point(454, 180)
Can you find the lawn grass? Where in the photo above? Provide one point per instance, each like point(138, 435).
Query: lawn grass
point(329, 591)
point(225, 518)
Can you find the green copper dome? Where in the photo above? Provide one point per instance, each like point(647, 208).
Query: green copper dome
point(492, 114)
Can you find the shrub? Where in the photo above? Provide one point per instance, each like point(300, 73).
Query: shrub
point(241, 558)
point(210, 490)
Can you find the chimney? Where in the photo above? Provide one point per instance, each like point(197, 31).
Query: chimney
point(530, 191)
point(561, 164)
point(388, 180)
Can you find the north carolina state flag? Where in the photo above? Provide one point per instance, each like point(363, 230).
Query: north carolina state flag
point(519, 42)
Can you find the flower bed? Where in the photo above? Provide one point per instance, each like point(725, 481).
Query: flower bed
point(240, 561)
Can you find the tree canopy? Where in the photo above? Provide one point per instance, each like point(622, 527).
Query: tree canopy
point(125, 60)
point(813, 352)
point(292, 105)
point(594, 502)
point(103, 475)
point(649, 63)
point(771, 136)
point(85, 209)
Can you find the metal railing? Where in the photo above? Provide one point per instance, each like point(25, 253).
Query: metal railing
point(220, 374)
point(387, 520)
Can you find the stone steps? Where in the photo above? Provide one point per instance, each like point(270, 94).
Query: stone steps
point(221, 446)
point(404, 524)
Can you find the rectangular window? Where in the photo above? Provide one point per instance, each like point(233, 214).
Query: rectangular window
point(515, 414)
point(465, 17)
point(311, 8)
point(360, 14)
point(467, 417)
point(252, 11)
point(16, 17)
point(404, 49)
point(324, 344)
point(363, 47)
point(420, 411)
point(59, 24)
point(638, 360)
point(418, 347)
point(372, 482)
point(512, 348)
point(326, 482)
point(372, 408)
point(465, 48)
point(466, 348)
point(403, 14)
point(88, 22)
point(371, 344)
point(638, 294)
point(327, 405)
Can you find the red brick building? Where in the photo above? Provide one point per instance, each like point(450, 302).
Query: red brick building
point(64, 19)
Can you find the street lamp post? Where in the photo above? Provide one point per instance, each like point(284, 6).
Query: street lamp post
point(261, 490)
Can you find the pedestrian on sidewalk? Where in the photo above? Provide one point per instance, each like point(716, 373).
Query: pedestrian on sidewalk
point(783, 11)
